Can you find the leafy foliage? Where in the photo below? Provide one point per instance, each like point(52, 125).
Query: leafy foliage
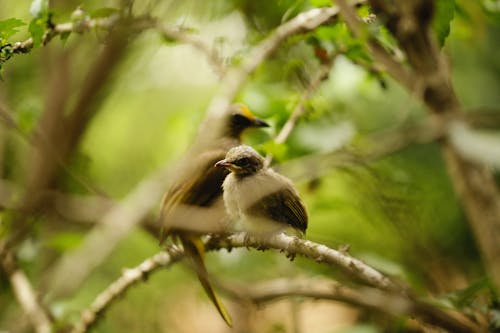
point(37, 30)
point(8, 28)
point(444, 13)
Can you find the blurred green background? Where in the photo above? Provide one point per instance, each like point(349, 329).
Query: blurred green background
point(398, 213)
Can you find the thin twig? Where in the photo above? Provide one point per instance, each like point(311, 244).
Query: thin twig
point(236, 77)
point(137, 25)
point(370, 298)
point(65, 28)
point(383, 58)
point(372, 148)
point(129, 277)
point(211, 54)
point(25, 294)
point(300, 108)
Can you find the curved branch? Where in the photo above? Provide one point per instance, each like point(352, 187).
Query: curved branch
point(381, 285)
point(370, 298)
point(129, 277)
point(234, 80)
point(300, 109)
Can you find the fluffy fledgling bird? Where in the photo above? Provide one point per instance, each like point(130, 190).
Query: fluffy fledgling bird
point(262, 200)
point(194, 203)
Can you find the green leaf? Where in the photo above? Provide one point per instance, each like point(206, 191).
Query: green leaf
point(444, 13)
point(64, 37)
point(337, 33)
point(465, 297)
point(37, 29)
point(9, 27)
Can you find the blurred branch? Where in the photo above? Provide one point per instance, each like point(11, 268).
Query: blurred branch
point(55, 30)
point(300, 108)
point(385, 290)
point(106, 234)
point(210, 53)
point(25, 295)
point(236, 77)
point(129, 277)
point(483, 118)
point(61, 130)
point(382, 57)
point(86, 24)
point(475, 145)
point(372, 148)
point(410, 23)
point(370, 298)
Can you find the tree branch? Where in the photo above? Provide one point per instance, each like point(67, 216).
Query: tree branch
point(318, 252)
point(383, 287)
point(300, 108)
point(373, 299)
point(26, 297)
point(371, 148)
point(236, 77)
point(211, 54)
point(129, 278)
point(383, 58)
point(79, 26)
point(474, 183)
point(110, 229)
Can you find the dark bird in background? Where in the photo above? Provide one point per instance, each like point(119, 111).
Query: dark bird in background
point(193, 206)
point(262, 200)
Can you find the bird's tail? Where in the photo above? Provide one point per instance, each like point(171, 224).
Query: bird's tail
point(194, 249)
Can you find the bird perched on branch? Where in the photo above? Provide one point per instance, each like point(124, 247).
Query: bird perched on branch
point(193, 206)
point(264, 201)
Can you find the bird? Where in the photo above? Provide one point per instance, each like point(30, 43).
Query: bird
point(263, 201)
point(198, 189)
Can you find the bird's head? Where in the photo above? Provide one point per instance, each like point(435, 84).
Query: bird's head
point(241, 118)
point(242, 161)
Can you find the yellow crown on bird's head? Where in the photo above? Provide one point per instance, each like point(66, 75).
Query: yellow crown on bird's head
point(242, 118)
point(244, 110)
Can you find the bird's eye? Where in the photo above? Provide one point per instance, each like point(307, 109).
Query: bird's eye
point(242, 162)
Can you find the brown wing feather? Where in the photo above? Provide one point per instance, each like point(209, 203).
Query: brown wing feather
point(201, 186)
point(283, 206)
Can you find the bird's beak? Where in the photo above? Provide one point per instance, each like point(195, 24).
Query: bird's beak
point(257, 122)
point(222, 164)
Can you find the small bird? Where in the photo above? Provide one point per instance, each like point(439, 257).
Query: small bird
point(199, 189)
point(262, 200)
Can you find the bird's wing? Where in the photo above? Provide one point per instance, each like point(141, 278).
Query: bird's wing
point(283, 206)
point(200, 185)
